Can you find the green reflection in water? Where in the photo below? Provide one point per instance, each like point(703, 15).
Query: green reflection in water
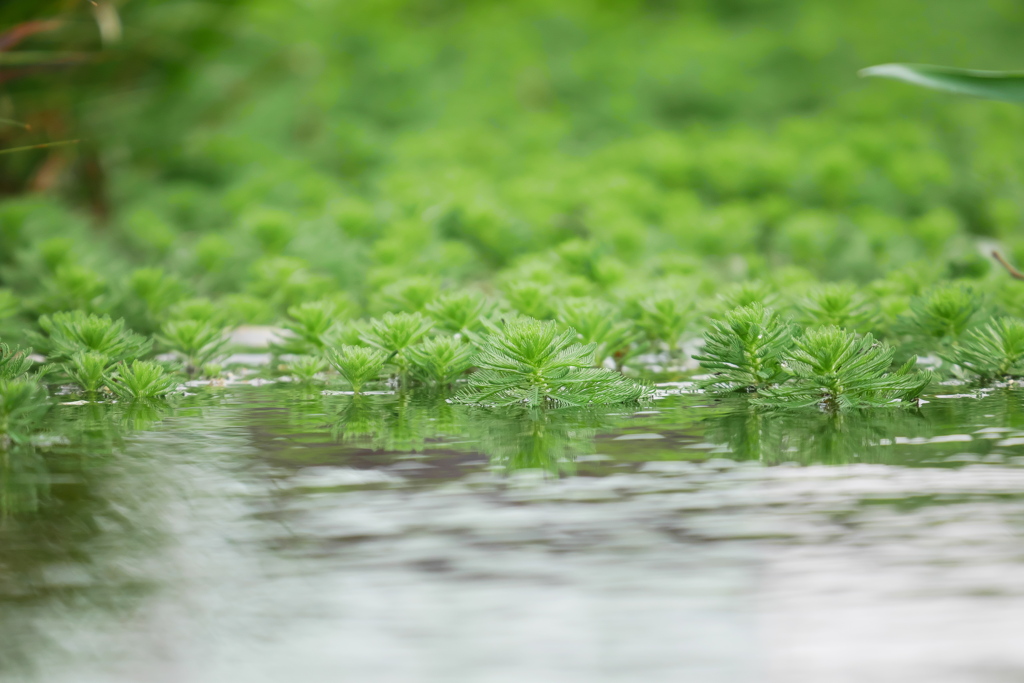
point(392, 422)
point(531, 438)
point(381, 428)
point(832, 439)
point(512, 438)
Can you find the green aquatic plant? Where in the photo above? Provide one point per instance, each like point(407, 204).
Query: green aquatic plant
point(440, 360)
point(284, 281)
point(87, 369)
point(272, 228)
point(23, 401)
point(941, 315)
point(463, 312)
point(744, 351)
point(601, 324)
point(837, 370)
point(357, 365)
point(72, 287)
point(198, 308)
point(313, 325)
point(841, 305)
point(9, 304)
point(532, 299)
point(13, 362)
point(198, 341)
point(664, 318)
point(741, 294)
point(154, 291)
point(993, 351)
point(395, 334)
point(408, 295)
point(351, 333)
point(305, 369)
point(399, 185)
point(77, 331)
point(141, 379)
point(532, 362)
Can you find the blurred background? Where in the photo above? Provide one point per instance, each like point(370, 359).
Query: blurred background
point(258, 153)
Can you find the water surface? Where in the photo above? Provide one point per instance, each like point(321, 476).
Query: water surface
point(274, 533)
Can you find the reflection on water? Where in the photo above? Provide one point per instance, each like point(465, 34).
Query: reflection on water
point(814, 437)
point(259, 533)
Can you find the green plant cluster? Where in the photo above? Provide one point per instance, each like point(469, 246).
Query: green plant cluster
point(518, 361)
point(513, 202)
point(754, 349)
point(835, 345)
point(86, 353)
point(375, 153)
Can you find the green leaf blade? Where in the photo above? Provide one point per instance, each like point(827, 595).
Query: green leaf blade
point(1004, 86)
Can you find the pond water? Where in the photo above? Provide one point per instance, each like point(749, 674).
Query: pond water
point(273, 533)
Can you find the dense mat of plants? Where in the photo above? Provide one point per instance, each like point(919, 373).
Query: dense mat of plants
point(512, 202)
point(812, 349)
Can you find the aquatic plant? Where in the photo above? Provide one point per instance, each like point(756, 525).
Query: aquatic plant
point(532, 299)
point(285, 281)
point(601, 324)
point(314, 325)
point(664, 318)
point(72, 287)
point(151, 292)
point(197, 308)
point(940, 316)
point(87, 369)
point(440, 360)
point(993, 351)
point(407, 295)
point(73, 332)
point(841, 305)
point(199, 341)
point(532, 362)
point(744, 351)
point(9, 304)
point(463, 312)
point(408, 221)
point(741, 294)
point(141, 379)
point(13, 362)
point(306, 368)
point(351, 333)
point(395, 334)
point(272, 228)
point(837, 370)
point(357, 365)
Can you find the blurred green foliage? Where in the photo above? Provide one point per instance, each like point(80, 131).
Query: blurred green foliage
point(283, 152)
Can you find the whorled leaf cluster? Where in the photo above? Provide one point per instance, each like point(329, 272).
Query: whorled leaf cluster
point(754, 349)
